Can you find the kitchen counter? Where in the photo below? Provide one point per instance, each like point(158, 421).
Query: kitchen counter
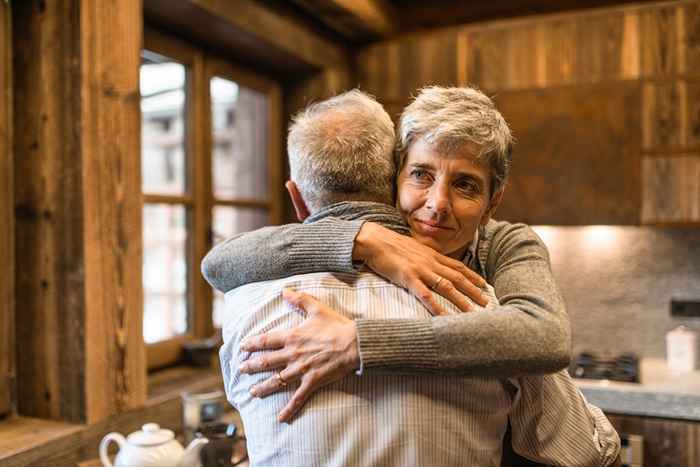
point(661, 393)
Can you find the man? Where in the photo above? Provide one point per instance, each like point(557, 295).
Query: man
point(341, 152)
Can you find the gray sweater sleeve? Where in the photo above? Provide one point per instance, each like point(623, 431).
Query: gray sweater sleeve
point(281, 251)
point(528, 333)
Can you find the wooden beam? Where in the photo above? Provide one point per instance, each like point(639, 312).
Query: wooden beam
point(376, 15)
point(248, 32)
point(110, 128)
point(78, 227)
point(7, 227)
point(354, 19)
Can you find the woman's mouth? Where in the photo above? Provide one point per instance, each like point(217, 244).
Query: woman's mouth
point(432, 227)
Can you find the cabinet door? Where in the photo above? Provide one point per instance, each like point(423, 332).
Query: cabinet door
point(671, 189)
point(667, 443)
point(576, 159)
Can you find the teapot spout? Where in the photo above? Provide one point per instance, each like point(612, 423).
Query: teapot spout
point(191, 456)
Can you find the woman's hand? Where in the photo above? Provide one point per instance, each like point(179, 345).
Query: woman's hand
point(418, 268)
point(321, 350)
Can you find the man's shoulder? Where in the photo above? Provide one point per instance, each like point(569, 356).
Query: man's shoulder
point(301, 282)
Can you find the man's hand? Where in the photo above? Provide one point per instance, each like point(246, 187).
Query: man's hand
point(418, 268)
point(321, 350)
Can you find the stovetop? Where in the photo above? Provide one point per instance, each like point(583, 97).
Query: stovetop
point(615, 367)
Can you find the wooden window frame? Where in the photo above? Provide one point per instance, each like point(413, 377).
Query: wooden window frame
point(199, 199)
point(7, 225)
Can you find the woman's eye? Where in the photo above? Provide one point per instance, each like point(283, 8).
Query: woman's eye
point(468, 187)
point(418, 174)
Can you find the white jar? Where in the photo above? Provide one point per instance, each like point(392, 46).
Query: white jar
point(681, 349)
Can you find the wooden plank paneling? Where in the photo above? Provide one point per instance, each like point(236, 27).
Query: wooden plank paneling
point(659, 41)
point(110, 130)
point(576, 160)
point(487, 64)
point(663, 115)
point(7, 225)
point(599, 47)
point(671, 189)
point(692, 112)
point(667, 443)
point(560, 52)
point(78, 209)
point(691, 37)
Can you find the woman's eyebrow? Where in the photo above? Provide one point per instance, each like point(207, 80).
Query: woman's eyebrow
point(421, 165)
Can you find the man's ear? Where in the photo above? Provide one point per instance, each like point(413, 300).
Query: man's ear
point(298, 202)
point(493, 205)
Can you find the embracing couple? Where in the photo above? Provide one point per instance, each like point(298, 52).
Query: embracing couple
point(399, 324)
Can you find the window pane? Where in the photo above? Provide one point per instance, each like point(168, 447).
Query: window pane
point(228, 221)
point(239, 121)
point(162, 125)
point(164, 271)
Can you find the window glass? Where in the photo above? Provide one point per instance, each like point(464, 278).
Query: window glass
point(163, 127)
point(228, 221)
point(239, 121)
point(164, 271)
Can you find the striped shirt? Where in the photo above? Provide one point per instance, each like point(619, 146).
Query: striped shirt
point(400, 420)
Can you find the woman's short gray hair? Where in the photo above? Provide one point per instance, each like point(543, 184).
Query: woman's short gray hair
point(449, 118)
point(342, 149)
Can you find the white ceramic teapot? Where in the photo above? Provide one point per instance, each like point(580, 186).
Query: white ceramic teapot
point(151, 447)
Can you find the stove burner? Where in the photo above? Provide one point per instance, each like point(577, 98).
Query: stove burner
point(620, 367)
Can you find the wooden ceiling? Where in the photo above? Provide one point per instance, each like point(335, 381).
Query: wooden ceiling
point(361, 21)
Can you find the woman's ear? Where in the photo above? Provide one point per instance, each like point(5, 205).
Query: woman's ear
point(297, 201)
point(493, 205)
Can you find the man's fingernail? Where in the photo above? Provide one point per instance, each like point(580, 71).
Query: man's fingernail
point(243, 368)
point(245, 345)
point(254, 391)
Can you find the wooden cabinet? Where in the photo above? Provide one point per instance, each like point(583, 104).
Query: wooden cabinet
point(576, 158)
point(667, 443)
point(671, 189)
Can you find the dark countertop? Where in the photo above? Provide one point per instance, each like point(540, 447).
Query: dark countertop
point(661, 393)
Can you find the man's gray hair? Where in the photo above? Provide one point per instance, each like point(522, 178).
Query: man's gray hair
point(449, 118)
point(341, 149)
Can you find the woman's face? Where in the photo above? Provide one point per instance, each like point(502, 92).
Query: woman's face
point(445, 197)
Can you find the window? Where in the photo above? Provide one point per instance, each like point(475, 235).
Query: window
point(240, 134)
point(207, 173)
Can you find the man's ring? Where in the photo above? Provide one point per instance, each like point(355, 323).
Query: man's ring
point(280, 380)
point(437, 282)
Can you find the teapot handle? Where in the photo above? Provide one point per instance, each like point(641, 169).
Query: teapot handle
point(104, 444)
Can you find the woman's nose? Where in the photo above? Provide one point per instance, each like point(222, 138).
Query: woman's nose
point(438, 200)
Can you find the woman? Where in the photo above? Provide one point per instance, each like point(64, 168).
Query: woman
point(453, 153)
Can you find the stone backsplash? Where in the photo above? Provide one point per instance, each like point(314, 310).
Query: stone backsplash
point(618, 283)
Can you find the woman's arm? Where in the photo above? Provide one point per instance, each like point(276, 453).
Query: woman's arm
point(328, 245)
point(281, 251)
point(527, 334)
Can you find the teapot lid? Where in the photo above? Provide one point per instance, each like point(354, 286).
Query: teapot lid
point(150, 435)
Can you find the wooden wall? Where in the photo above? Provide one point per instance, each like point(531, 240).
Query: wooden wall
point(7, 253)
point(607, 101)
